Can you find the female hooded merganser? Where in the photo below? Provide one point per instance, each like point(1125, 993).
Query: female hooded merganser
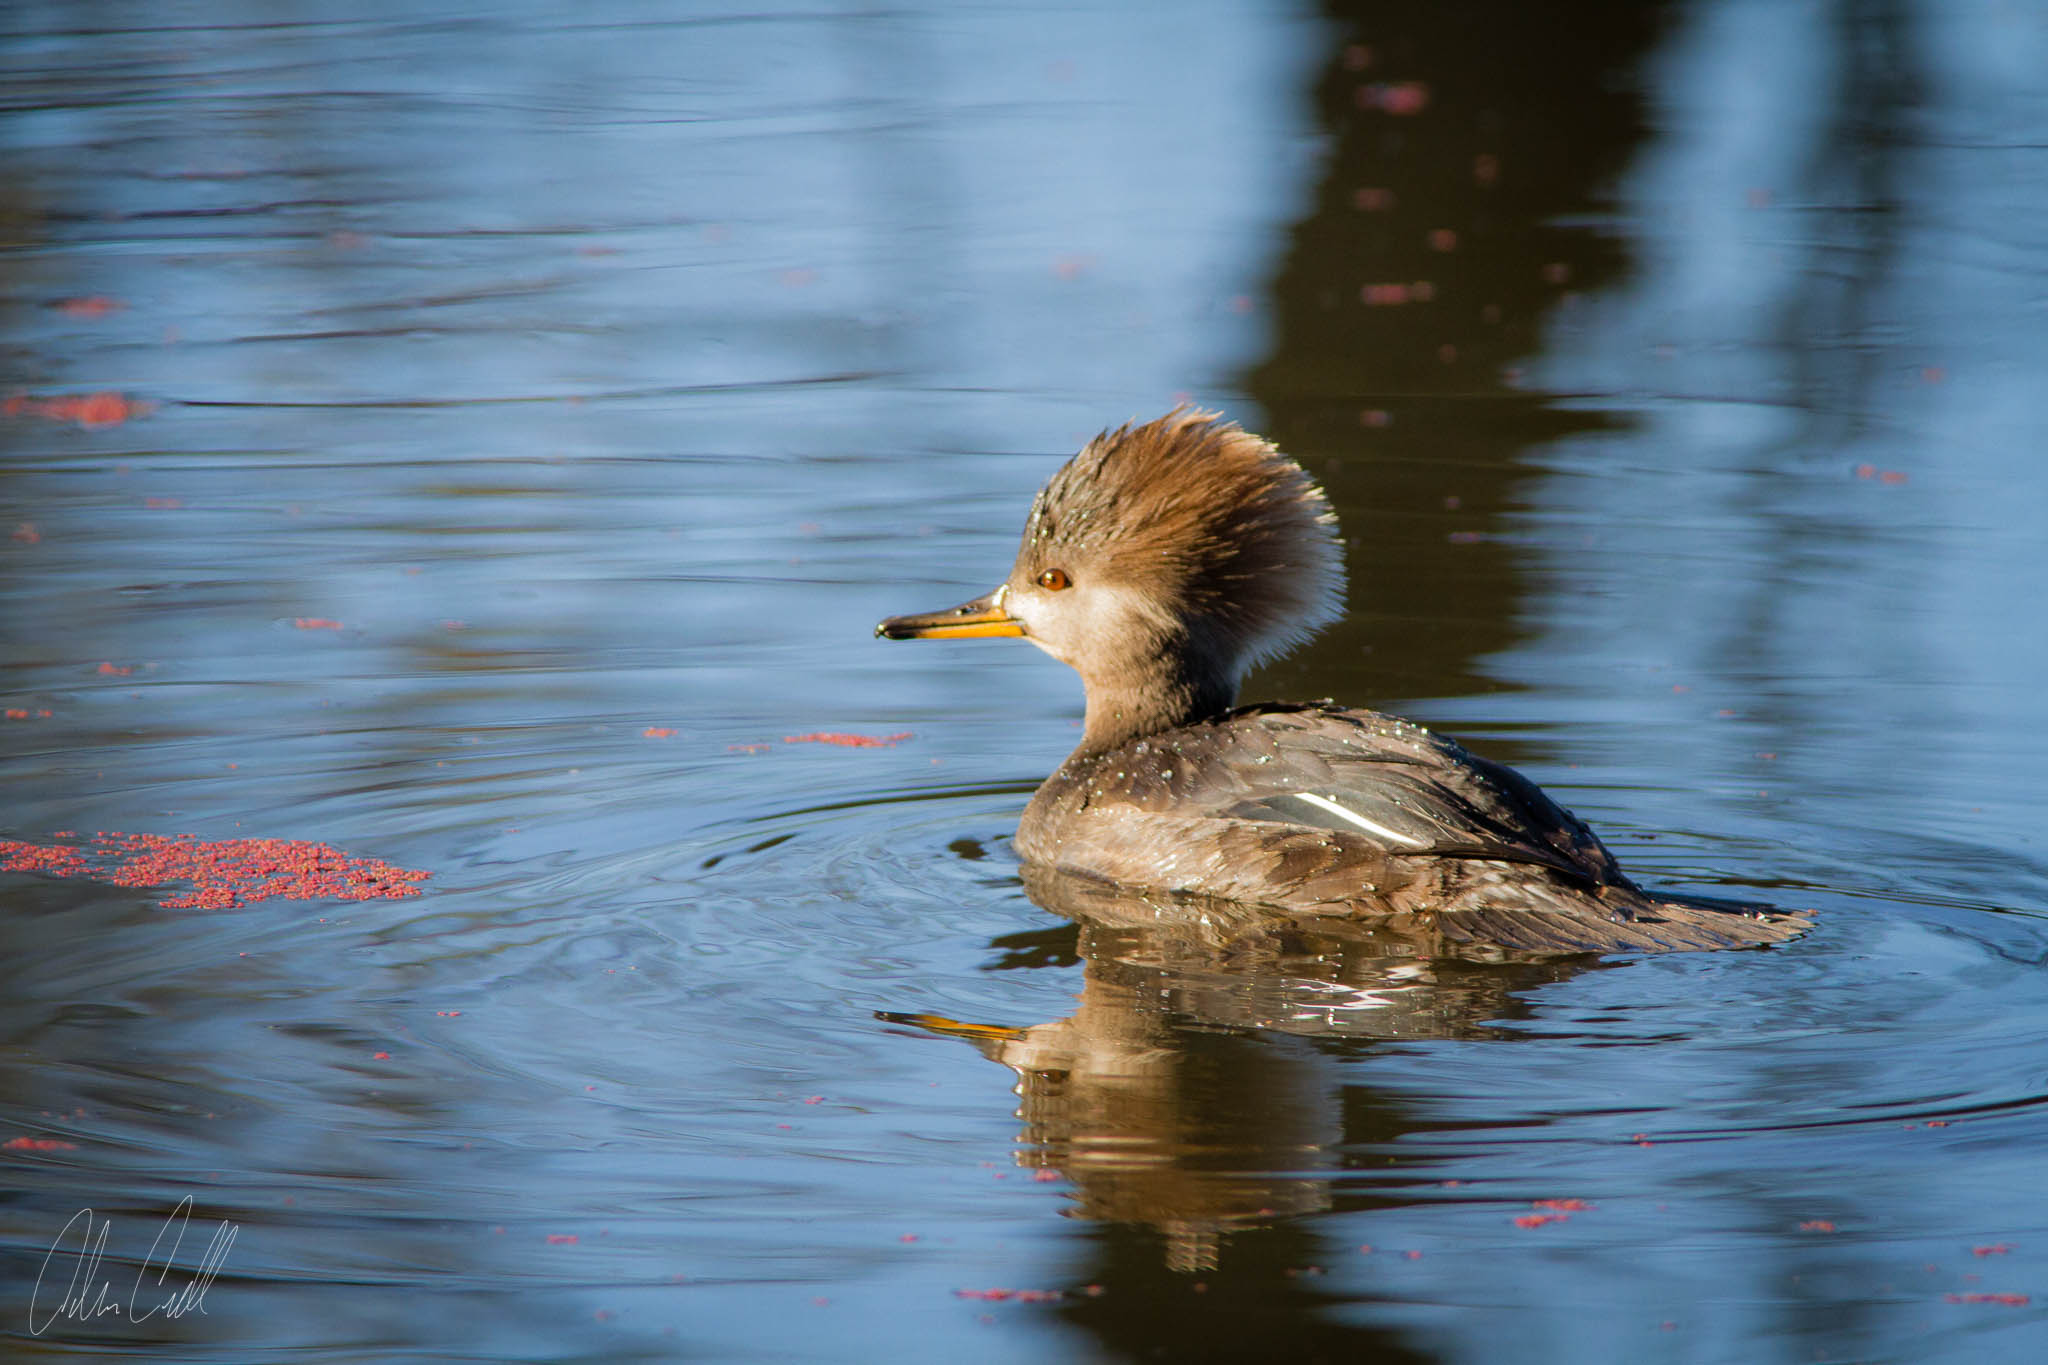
point(1162, 562)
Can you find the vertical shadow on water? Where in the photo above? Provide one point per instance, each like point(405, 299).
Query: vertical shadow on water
point(1819, 322)
point(1851, 164)
point(1462, 143)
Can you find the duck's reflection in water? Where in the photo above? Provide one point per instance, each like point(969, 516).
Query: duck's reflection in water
point(1195, 1089)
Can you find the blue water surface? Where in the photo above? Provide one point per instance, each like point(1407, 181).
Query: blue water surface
point(523, 412)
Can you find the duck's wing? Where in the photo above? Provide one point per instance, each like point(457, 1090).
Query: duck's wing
point(1375, 779)
point(1323, 810)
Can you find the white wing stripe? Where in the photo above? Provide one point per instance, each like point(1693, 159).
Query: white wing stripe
point(1370, 827)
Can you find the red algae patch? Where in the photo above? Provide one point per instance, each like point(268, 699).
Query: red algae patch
point(846, 741)
point(1402, 99)
point(223, 873)
point(36, 1144)
point(89, 306)
point(16, 856)
point(86, 409)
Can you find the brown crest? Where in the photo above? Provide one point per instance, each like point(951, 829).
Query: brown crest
point(1214, 526)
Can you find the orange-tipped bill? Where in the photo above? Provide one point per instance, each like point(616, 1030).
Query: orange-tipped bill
point(983, 616)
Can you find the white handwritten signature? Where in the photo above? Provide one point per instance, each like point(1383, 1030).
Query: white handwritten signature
point(82, 1302)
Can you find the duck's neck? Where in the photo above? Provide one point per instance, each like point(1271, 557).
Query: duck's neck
point(1174, 689)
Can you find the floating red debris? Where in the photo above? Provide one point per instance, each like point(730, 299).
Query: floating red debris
point(380, 1056)
point(1010, 1295)
point(1537, 1220)
point(26, 533)
point(89, 306)
point(223, 872)
point(846, 741)
point(1563, 1205)
point(1045, 1175)
point(1383, 295)
point(1399, 98)
point(1995, 1249)
point(657, 732)
point(563, 1239)
point(315, 623)
point(107, 670)
point(57, 862)
point(1817, 1225)
point(35, 1144)
point(2009, 1300)
point(86, 409)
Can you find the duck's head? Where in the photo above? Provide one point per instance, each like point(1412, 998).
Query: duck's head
point(1162, 562)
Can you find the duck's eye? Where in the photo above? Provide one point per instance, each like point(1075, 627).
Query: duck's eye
point(1055, 580)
